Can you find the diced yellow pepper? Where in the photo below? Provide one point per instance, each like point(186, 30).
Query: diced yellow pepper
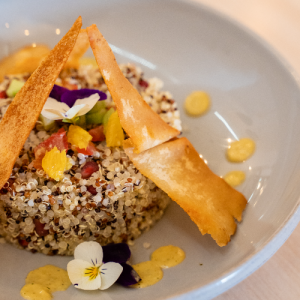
point(78, 137)
point(55, 163)
point(113, 131)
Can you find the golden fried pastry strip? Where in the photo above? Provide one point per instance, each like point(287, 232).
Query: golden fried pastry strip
point(25, 60)
point(81, 46)
point(176, 168)
point(25, 109)
point(145, 127)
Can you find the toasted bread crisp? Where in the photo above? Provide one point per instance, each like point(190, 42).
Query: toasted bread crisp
point(176, 168)
point(25, 109)
point(25, 60)
point(81, 46)
point(145, 128)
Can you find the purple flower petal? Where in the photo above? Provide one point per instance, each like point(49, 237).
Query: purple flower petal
point(57, 92)
point(129, 276)
point(119, 253)
point(70, 97)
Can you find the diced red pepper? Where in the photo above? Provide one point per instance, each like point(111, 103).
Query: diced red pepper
point(88, 169)
point(39, 228)
point(90, 150)
point(70, 86)
point(58, 140)
point(97, 134)
point(143, 83)
point(3, 95)
point(23, 243)
point(92, 190)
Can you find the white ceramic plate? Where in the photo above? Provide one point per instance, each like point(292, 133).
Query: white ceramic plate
point(253, 95)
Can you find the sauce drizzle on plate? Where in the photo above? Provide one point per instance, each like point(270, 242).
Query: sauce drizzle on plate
point(42, 282)
point(151, 271)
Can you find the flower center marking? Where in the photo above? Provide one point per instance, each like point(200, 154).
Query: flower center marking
point(92, 272)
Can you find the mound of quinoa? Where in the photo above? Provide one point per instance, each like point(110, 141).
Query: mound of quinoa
point(116, 204)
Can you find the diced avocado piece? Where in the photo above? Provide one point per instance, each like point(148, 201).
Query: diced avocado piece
point(97, 107)
point(14, 86)
point(81, 121)
point(47, 123)
point(107, 116)
point(96, 118)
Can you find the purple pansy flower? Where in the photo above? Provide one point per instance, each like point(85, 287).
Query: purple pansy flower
point(95, 267)
point(120, 253)
point(71, 96)
point(67, 104)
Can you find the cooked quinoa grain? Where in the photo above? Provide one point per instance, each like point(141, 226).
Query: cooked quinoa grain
point(116, 204)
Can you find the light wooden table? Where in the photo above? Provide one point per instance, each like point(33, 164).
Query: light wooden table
point(278, 22)
point(277, 279)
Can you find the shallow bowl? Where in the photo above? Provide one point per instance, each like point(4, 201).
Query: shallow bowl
point(254, 94)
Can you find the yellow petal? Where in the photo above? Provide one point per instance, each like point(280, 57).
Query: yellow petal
point(78, 137)
point(55, 163)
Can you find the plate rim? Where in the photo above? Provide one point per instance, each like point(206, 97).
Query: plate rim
point(250, 264)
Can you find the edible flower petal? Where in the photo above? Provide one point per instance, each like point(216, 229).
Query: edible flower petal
point(88, 272)
point(119, 253)
point(71, 97)
point(91, 252)
point(129, 276)
point(81, 275)
point(108, 274)
point(55, 110)
point(57, 92)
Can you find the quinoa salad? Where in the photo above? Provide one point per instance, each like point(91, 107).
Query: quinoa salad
point(113, 203)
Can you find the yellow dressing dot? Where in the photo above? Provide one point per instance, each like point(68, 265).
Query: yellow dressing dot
point(241, 150)
point(168, 256)
point(78, 137)
point(197, 103)
point(42, 282)
point(34, 291)
point(235, 178)
point(55, 163)
point(149, 272)
point(113, 131)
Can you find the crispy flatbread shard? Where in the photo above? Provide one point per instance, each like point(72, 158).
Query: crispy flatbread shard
point(25, 109)
point(24, 60)
point(81, 46)
point(177, 169)
point(145, 127)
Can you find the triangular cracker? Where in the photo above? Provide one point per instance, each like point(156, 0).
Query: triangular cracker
point(27, 105)
point(81, 46)
point(24, 60)
point(145, 128)
point(177, 169)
